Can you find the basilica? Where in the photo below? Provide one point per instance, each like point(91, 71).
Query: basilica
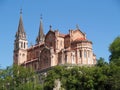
point(52, 49)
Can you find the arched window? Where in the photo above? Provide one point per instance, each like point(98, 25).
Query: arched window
point(24, 45)
point(88, 53)
point(85, 54)
point(23, 55)
point(80, 53)
point(61, 43)
point(73, 57)
point(21, 44)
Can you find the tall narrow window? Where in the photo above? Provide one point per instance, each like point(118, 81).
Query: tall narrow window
point(24, 45)
point(89, 59)
point(46, 61)
point(88, 53)
point(72, 58)
point(21, 44)
point(80, 53)
point(85, 53)
point(61, 43)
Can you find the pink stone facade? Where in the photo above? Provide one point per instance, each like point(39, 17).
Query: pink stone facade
point(57, 49)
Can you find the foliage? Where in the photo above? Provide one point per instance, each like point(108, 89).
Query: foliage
point(85, 78)
point(115, 51)
point(101, 62)
point(18, 78)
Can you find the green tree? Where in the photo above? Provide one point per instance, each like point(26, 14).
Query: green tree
point(114, 80)
point(18, 78)
point(56, 73)
point(115, 51)
point(104, 77)
point(101, 62)
point(72, 78)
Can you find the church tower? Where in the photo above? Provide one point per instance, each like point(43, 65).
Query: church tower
point(20, 44)
point(41, 37)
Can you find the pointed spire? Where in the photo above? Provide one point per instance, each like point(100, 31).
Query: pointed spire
point(50, 27)
point(20, 27)
point(41, 36)
point(21, 33)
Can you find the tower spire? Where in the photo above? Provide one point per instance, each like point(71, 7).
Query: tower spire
point(41, 36)
point(20, 43)
point(21, 33)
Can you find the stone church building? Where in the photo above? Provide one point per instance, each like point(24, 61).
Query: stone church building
point(52, 49)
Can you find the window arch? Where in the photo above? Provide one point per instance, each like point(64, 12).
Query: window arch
point(24, 45)
point(23, 55)
point(80, 53)
point(88, 53)
point(85, 54)
point(21, 44)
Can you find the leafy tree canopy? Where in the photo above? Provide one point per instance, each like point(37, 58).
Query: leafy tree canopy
point(101, 62)
point(18, 78)
point(84, 78)
point(115, 51)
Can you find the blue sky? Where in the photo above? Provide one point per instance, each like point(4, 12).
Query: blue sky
point(99, 19)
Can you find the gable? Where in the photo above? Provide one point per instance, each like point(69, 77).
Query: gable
point(50, 39)
point(77, 34)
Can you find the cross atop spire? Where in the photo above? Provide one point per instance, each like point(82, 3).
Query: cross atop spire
point(21, 11)
point(50, 27)
point(41, 16)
